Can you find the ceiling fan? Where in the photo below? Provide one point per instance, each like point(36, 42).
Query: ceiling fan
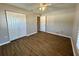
point(43, 6)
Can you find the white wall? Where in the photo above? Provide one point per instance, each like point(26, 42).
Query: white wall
point(75, 30)
point(31, 24)
point(60, 21)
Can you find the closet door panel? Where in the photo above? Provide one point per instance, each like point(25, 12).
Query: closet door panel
point(3, 28)
point(22, 23)
point(10, 25)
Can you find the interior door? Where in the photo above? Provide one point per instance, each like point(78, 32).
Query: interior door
point(42, 23)
point(16, 25)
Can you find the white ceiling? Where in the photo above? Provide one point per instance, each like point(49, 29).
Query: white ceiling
point(34, 7)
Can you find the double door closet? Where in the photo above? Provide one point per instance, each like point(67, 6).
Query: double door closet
point(16, 25)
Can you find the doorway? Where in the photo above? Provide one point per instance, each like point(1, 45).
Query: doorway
point(38, 23)
point(43, 23)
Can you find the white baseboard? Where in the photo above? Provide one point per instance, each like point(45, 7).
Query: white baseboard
point(73, 47)
point(5, 43)
point(12, 40)
point(31, 33)
point(60, 34)
point(17, 38)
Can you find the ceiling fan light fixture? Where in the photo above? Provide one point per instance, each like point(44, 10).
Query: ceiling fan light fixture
point(40, 8)
point(43, 8)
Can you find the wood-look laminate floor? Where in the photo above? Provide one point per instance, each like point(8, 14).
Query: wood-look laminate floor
point(40, 44)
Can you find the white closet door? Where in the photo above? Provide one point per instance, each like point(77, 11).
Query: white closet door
point(16, 25)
